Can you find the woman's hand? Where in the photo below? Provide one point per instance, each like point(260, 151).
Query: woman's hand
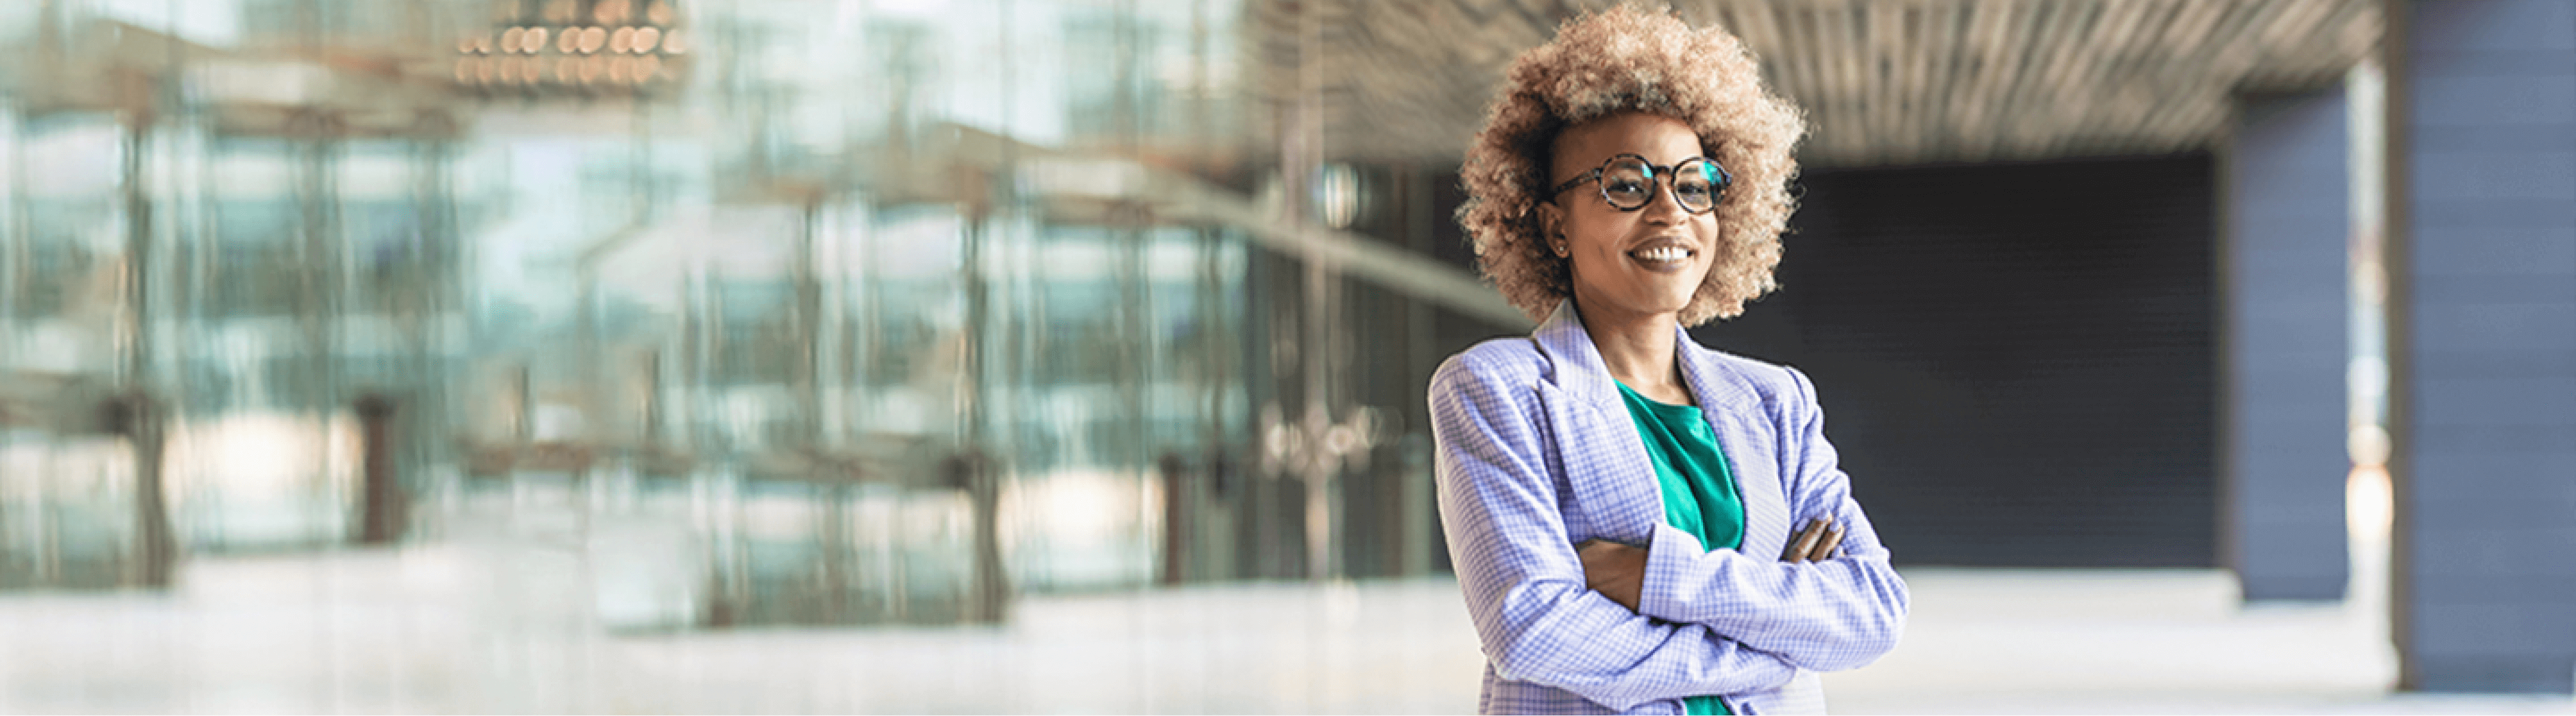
point(1816, 543)
point(1617, 571)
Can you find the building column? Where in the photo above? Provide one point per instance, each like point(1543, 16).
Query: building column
point(2482, 319)
point(2284, 275)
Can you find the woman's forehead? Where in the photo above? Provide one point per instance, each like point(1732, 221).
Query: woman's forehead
point(1660, 139)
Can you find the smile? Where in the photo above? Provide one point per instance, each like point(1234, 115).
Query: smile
point(1662, 258)
point(1662, 253)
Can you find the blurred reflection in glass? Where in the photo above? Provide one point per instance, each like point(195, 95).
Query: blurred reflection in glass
point(747, 313)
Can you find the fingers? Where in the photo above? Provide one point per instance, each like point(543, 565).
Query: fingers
point(1816, 543)
point(1825, 548)
point(1805, 543)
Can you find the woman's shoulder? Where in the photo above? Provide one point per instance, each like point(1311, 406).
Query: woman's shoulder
point(1496, 362)
point(1777, 384)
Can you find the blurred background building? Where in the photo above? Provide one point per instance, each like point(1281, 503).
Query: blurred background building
point(634, 324)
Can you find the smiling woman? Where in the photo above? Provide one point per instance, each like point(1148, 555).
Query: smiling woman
point(1611, 489)
point(1635, 257)
point(1628, 61)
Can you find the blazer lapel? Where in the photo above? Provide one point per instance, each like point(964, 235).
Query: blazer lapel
point(1605, 461)
point(1746, 436)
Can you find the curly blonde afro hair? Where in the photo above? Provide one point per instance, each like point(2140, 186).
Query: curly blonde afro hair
point(1631, 60)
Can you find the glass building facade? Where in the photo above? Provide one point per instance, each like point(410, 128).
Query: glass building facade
point(779, 312)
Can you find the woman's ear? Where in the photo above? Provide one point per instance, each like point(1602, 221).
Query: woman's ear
point(1551, 227)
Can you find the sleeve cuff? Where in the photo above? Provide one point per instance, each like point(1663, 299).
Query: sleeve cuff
point(1668, 559)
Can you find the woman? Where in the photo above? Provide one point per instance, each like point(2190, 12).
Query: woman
point(1606, 483)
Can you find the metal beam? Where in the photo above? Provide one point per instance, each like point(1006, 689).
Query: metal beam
point(1177, 196)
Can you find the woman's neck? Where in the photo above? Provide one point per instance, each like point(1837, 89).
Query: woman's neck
point(1638, 350)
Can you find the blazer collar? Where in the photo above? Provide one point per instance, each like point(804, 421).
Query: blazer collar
point(1726, 398)
point(1581, 372)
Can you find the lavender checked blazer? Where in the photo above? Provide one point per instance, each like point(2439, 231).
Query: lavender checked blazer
point(1536, 453)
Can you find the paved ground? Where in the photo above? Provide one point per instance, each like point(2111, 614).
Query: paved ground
point(489, 628)
point(1995, 642)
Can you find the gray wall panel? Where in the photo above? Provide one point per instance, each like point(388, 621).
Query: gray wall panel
point(2493, 25)
point(2487, 433)
point(2284, 276)
point(2015, 360)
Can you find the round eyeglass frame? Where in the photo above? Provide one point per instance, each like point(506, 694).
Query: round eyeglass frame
point(1653, 174)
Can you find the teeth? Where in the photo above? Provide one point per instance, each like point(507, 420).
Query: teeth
point(1664, 253)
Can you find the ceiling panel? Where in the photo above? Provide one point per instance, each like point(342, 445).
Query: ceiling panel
point(1884, 82)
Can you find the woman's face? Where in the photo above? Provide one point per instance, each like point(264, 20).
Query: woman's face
point(1628, 264)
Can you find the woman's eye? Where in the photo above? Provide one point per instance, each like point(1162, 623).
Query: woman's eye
point(1694, 189)
point(1626, 187)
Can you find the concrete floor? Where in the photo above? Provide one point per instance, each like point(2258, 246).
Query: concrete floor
point(492, 627)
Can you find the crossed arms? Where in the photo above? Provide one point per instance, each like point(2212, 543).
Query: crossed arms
point(1692, 621)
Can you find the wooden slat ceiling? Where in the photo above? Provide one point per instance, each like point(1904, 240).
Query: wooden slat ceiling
point(1884, 82)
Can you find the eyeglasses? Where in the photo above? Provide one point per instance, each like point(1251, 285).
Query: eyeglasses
point(1628, 182)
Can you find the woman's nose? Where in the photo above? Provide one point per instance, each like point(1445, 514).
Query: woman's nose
point(1662, 206)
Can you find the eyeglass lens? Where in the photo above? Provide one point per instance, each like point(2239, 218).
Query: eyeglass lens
point(1629, 183)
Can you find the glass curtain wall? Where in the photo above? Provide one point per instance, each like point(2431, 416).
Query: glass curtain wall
point(780, 312)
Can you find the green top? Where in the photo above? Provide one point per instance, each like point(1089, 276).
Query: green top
point(1699, 491)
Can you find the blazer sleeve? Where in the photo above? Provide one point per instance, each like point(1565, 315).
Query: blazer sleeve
point(1836, 614)
point(1534, 613)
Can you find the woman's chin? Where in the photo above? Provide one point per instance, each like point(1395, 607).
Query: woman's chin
point(1653, 300)
point(1651, 308)
point(1672, 303)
